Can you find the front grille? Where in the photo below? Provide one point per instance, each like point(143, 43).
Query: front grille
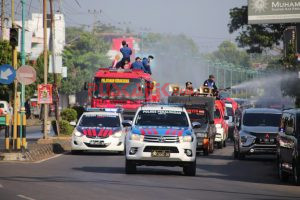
point(95, 146)
point(161, 139)
point(97, 137)
point(161, 148)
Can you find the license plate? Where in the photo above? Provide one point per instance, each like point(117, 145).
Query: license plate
point(97, 142)
point(160, 153)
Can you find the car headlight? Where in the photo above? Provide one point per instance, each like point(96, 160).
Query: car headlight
point(202, 135)
point(136, 137)
point(187, 138)
point(246, 138)
point(77, 133)
point(117, 134)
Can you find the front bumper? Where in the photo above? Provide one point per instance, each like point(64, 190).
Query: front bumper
point(177, 152)
point(258, 149)
point(109, 144)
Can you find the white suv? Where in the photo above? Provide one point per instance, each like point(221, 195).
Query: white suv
point(99, 131)
point(161, 135)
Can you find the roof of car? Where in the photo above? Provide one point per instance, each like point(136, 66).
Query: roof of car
point(101, 113)
point(263, 110)
point(294, 110)
point(162, 107)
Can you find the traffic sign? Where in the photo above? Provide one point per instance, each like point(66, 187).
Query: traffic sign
point(7, 74)
point(26, 75)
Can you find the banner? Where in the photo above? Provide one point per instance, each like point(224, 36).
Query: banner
point(273, 11)
point(45, 94)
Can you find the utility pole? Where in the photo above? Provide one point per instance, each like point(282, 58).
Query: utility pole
point(56, 100)
point(2, 19)
point(14, 64)
point(45, 64)
point(23, 63)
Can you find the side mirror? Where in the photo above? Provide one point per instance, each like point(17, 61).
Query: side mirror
point(226, 117)
point(73, 123)
point(196, 125)
point(127, 123)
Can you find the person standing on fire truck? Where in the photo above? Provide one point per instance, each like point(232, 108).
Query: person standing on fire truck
point(146, 63)
point(189, 90)
point(210, 82)
point(138, 64)
point(126, 52)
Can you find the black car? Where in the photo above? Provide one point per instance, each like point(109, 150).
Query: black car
point(256, 132)
point(288, 146)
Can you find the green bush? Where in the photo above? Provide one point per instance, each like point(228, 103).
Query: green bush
point(65, 127)
point(80, 110)
point(69, 114)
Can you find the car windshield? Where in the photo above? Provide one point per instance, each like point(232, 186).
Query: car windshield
point(229, 111)
point(162, 118)
point(197, 115)
point(217, 114)
point(120, 88)
point(261, 119)
point(100, 121)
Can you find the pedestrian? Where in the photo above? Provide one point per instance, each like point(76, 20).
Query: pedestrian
point(27, 109)
point(138, 64)
point(126, 52)
point(147, 63)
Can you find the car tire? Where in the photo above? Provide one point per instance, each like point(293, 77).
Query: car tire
point(76, 152)
point(224, 143)
point(283, 176)
point(241, 156)
point(220, 145)
point(212, 147)
point(296, 175)
point(206, 152)
point(130, 167)
point(190, 170)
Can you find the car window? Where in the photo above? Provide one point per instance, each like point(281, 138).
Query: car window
point(100, 121)
point(162, 118)
point(229, 111)
point(261, 119)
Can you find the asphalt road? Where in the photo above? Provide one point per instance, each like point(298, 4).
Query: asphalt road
point(101, 176)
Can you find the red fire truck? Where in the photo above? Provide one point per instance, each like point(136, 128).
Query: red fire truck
point(127, 89)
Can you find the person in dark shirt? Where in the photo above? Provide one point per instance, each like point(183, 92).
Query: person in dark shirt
point(126, 52)
point(146, 63)
point(138, 64)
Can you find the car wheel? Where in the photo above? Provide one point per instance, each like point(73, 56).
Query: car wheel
point(212, 147)
point(130, 167)
point(296, 175)
point(220, 145)
point(206, 151)
point(283, 176)
point(190, 170)
point(224, 143)
point(76, 152)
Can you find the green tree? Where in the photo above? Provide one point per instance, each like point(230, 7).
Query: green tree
point(84, 53)
point(255, 38)
point(228, 51)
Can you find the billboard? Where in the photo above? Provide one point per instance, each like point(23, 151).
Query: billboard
point(273, 11)
point(45, 94)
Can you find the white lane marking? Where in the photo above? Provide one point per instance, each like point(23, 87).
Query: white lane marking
point(24, 197)
point(56, 156)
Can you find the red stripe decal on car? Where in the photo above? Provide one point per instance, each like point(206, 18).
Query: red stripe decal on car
point(142, 131)
point(94, 132)
point(174, 132)
point(168, 132)
point(100, 132)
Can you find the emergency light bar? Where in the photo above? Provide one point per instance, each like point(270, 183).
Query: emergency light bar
point(115, 110)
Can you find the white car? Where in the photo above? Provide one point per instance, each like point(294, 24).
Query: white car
point(161, 135)
point(99, 131)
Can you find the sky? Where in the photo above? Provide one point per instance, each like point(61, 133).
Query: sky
point(205, 21)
